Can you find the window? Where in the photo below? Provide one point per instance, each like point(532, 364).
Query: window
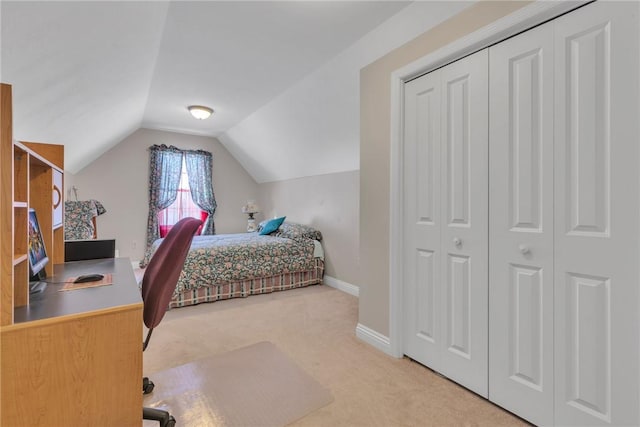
point(182, 207)
point(169, 172)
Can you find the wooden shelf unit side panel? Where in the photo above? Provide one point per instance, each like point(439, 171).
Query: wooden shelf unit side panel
point(21, 284)
point(20, 175)
point(54, 153)
point(58, 231)
point(41, 199)
point(6, 205)
point(58, 246)
point(20, 234)
point(58, 198)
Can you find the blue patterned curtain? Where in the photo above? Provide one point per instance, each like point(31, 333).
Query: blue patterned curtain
point(199, 169)
point(165, 165)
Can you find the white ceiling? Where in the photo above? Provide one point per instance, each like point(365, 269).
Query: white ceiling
point(88, 74)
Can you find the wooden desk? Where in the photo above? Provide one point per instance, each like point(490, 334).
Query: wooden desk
point(74, 358)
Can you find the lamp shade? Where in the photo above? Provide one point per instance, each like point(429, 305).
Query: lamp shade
point(251, 207)
point(200, 112)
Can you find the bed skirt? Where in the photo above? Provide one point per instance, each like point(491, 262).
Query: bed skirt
point(260, 285)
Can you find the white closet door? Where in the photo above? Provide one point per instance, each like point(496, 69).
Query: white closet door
point(521, 224)
point(464, 210)
point(597, 214)
point(422, 252)
point(445, 221)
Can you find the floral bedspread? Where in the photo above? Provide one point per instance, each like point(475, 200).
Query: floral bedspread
point(232, 257)
point(78, 216)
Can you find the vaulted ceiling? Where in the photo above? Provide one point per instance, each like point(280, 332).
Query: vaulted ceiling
point(87, 74)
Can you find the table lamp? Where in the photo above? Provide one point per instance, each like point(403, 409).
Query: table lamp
point(250, 209)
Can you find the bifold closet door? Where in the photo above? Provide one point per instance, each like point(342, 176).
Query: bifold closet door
point(597, 213)
point(446, 221)
point(422, 252)
point(465, 206)
point(521, 224)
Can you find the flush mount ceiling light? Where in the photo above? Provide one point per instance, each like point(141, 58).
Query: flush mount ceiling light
point(200, 112)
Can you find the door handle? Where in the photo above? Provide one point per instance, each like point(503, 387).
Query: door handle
point(457, 241)
point(524, 249)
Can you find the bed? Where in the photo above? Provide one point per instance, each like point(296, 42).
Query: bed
point(228, 266)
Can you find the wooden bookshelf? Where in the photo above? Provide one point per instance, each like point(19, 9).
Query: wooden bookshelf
point(27, 182)
point(67, 359)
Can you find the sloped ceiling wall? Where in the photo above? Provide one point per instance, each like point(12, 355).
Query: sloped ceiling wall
point(313, 127)
point(87, 74)
point(80, 72)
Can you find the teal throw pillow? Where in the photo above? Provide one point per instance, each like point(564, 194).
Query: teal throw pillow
point(272, 225)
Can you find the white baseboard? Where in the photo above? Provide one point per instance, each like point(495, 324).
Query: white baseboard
point(341, 286)
point(374, 339)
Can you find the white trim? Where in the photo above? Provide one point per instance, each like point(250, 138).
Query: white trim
point(341, 286)
point(374, 339)
point(518, 21)
point(396, 221)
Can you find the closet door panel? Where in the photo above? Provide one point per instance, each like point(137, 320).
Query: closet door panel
point(521, 224)
point(597, 365)
point(422, 339)
point(465, 213)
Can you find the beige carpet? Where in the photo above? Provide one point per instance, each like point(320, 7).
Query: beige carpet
point(315, 327)
point(257, 385)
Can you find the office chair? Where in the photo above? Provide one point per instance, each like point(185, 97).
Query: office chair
point(158, 284)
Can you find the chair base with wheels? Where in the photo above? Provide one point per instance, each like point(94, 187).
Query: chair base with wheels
point(163, 417)
point(147, 385)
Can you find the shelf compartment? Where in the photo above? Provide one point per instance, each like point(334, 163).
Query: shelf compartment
point(20, 234)
point(21, 284)
point(20, 175)
point(18, 258)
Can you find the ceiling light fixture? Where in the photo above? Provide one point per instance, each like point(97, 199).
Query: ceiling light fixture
point(200, 112)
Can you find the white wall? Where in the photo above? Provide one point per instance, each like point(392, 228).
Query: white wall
point(327, 203)
point(120, 180)
point(2, 81)
point(313, 127)
point(375, 113)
